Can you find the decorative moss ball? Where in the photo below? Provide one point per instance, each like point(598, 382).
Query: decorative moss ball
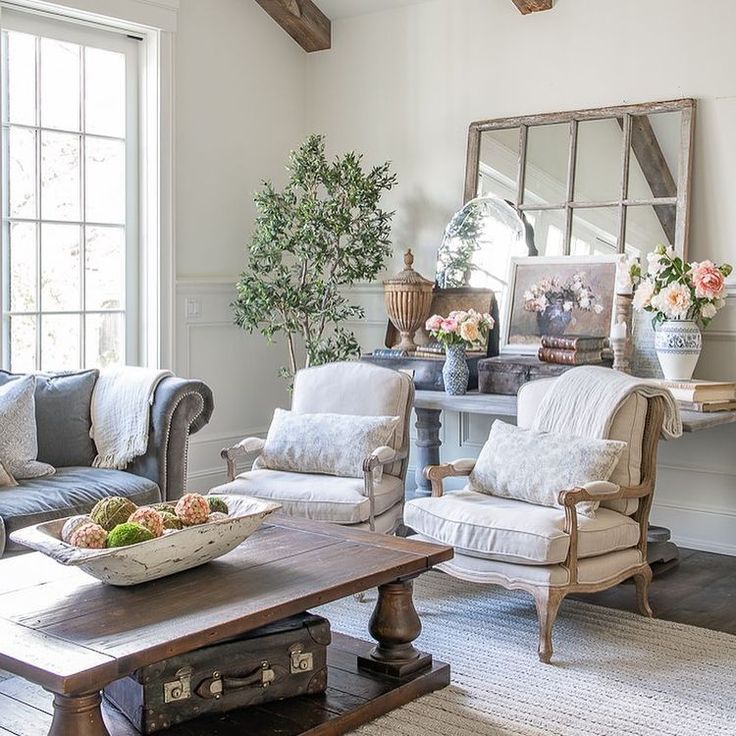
point(89, 536)
point(192, 509)
point(170, 520)
point(128, 533)
point(217, 504)
point(163, 507)
point(71, 524)
point(112, 511)
point(216, 516)
point(148, 518)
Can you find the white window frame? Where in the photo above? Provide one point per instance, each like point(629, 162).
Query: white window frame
point(87, 36)
point(155, 23)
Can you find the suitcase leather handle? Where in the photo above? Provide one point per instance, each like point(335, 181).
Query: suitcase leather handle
point(218, 685)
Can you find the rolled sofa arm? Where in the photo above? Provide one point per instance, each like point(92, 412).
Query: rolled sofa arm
point(180, 407)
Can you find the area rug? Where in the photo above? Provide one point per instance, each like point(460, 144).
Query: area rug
point(613, 673)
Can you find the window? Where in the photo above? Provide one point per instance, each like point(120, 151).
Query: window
point(69, 195)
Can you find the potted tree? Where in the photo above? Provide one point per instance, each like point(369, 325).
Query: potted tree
point(323, 232)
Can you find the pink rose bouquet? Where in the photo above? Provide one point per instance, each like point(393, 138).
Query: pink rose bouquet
point(673, 289)
point(466, 329)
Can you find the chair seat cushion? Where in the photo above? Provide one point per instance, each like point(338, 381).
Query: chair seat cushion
point(504, 529)
point(70, 491)
point(316, 497)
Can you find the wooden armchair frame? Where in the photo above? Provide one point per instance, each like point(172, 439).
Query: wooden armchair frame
point(548, 598)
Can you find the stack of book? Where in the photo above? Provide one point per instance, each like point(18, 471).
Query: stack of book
point(572, 350)
point(703, 396)
point(432, 350)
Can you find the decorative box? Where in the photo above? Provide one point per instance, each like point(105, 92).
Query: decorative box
point(505, 374)
point(426, 372)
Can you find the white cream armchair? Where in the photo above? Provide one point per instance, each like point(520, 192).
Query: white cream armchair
point(550, 552)
point(338, 388)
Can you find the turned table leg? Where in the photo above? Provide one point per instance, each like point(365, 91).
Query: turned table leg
point(78, 715)
point(428, 443)
point(395, 625)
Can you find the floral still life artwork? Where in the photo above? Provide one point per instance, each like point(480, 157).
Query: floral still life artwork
point(558, 296)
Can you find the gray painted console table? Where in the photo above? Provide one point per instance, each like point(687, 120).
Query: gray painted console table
point(429, 406)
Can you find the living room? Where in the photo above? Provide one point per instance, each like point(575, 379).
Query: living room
point(497, 105)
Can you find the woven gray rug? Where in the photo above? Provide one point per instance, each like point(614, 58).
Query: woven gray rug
point(613, 673)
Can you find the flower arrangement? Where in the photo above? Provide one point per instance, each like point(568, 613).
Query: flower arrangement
point(574, 293)
point(460, 328)
point(673, 289)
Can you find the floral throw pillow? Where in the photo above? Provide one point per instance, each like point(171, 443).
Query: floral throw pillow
point(333, 444)
point(18, 442)
point(535, 466)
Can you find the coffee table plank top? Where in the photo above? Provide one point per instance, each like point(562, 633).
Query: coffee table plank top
point(101, 632)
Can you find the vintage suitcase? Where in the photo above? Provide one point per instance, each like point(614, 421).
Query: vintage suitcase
point(281, 660)
point(505, 374)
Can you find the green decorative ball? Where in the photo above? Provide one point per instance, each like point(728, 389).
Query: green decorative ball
point(128, 533)
point(112, 511)
point(167, 508)
point(217, 504)
point(171, 520)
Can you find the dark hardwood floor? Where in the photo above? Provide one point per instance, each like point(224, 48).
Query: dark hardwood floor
point(700, 591)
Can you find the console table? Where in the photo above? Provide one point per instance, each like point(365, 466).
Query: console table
point(429, 406)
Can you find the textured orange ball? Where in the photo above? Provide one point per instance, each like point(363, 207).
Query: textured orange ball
point(89, 536)
point(192, 509)
point(149, 519)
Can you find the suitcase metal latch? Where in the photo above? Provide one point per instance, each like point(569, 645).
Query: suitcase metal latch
point(299, 660)
point(181, 688)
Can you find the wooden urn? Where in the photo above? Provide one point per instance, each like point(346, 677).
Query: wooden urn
point(408, 300)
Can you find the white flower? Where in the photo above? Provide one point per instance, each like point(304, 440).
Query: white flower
point(542, 303)
point(598, 308)
point(643, 295)
point(567, 306)
point(656, 263)
point(584, 301)
point(673, 301)
point(708, 311)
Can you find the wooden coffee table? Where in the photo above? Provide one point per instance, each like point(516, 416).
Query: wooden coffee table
point(72, 635)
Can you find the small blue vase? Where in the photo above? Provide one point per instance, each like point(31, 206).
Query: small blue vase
point(455, 371)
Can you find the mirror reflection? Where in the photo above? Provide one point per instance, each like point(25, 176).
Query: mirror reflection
point(547, 159)
point(479, 243)
point(498, 164)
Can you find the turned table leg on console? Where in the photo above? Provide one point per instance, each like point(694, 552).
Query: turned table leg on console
point(78, 715)
point(428, 443)
point(395, 625)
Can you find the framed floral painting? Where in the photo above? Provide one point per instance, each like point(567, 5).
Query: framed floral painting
point(558, 295)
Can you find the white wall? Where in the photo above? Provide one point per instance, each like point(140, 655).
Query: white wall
point(404, 84)
point(239, 110)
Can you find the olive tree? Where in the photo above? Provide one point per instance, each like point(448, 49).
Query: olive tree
point(323, 232)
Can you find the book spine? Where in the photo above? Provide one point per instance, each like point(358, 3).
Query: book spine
point(569, 357)
point(389, 353)
point(559, 342)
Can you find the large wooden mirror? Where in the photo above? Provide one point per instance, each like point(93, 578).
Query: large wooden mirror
point(601, 181)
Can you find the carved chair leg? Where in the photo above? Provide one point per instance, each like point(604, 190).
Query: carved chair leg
point(642, 580)
point(548, 602)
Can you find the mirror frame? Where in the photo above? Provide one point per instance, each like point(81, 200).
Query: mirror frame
point(573, 118)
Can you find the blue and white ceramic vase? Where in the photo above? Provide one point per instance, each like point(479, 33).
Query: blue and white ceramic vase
point(455, 371)
point(678, 344)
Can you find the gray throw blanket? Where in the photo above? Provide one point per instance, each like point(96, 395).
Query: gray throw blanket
point(583, 402)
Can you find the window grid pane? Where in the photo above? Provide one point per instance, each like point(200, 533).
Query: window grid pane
point(66, 283)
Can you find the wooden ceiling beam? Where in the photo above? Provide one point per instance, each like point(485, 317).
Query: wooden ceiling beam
point(303, 21)
point(533, 6)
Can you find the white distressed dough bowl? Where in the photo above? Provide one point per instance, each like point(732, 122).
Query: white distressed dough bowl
point(156, 558)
